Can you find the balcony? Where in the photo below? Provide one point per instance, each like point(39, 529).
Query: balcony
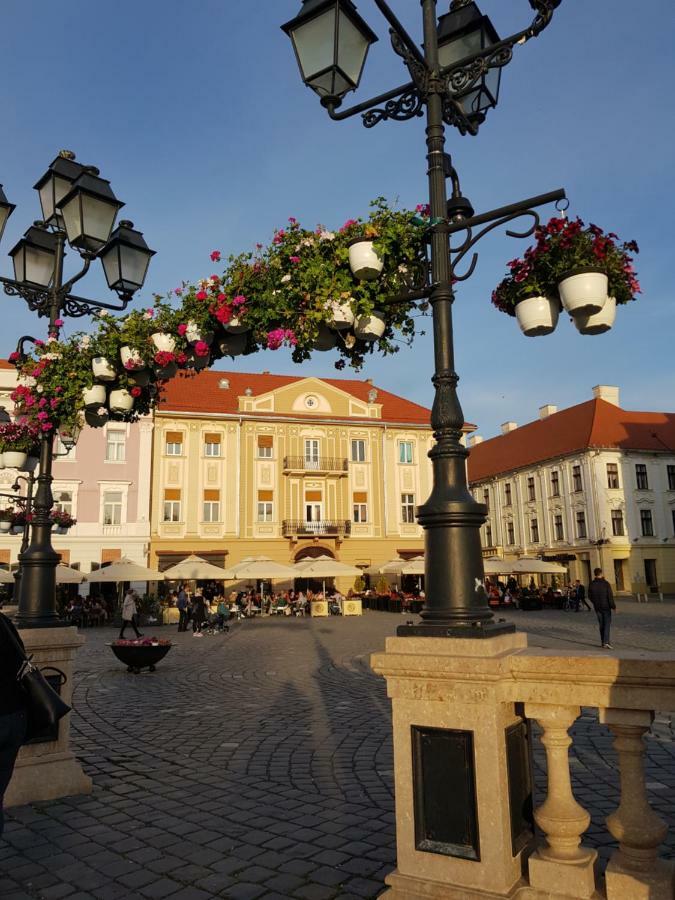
point(317, 464)
point(296, 528)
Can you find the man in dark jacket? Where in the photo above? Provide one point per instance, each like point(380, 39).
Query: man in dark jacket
point(12, 705)
point(600, 595)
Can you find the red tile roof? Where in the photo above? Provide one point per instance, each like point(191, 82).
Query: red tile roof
point(201, 394)
point(5, 364)
point(594, 424)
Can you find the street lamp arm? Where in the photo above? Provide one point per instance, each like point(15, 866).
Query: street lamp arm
point(77, 307)
point(331, 105)
point(68, 286)
point(396, 29)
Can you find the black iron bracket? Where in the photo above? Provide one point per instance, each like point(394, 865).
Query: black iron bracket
point(39, 299)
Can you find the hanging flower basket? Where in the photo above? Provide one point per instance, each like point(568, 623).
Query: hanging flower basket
point(131, 359)
point(232, 344)
point(194, 334)
point(164, 343)
point(537, 315)
point(2, 460)
point(583, 292)
point(103, 369)
point(6, 519)
point(364, 260)
point(120, 401)
point(94, 396)
point(341, 314)
point(166, 372)
point(199, 362)
point(236, 325)
point(16, 459)
point(600, 322)
point(139, 378)
point(96, 417)
point(325, 340)
point(370, 327)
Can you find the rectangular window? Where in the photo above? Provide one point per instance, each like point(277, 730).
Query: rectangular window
point(265, 506)
point(265, 446)
point(408, 509)
point(173, 443)
point(171, 511)
point(673, 517)
point(581, 524)
point(360, 505)
point(358, 451)
point(486, 498)
point(63, 500)
point(612, 476)
point(488, 535)
point(211, 507)
point(577, 484)
point(555, 484)
point(646, 523)
point(510, 534)
point(507, 494)
point(641, 477)
point(115, 447)
point(531, 492)
point(112, 508)
point(671, 477)
point(534, 531)
point(559, 528)
point(617, 522)
point(212, 445)
point(405, 452)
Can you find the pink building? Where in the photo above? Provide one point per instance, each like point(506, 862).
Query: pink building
point(104, 482)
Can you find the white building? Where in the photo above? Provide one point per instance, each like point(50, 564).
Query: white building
point(592, 485)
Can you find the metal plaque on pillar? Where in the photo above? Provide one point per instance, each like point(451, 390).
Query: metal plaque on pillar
point(444, 785)
point(519, 766)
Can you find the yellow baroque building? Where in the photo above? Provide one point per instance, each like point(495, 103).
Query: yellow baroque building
point(287, 467)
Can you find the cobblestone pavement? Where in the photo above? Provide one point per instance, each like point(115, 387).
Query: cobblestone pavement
point(258, 765)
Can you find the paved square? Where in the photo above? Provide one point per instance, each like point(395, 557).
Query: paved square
point(259, 765)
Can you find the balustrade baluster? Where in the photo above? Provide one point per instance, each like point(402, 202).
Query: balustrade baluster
point(562, 866)
point(634, 872)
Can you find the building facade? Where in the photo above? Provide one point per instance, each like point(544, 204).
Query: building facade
point(592, 485)
point(250, 465)
point(104, 482)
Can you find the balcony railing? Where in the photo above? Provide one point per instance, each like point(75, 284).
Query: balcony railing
point(315, 464)
point(325, 528)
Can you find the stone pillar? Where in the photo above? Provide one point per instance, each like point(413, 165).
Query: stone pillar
point(562, 866)
point(634, 872)
point(50, 770)
point(452, 689)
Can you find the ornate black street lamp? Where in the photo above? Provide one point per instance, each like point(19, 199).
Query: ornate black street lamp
point(79, 209)
point(454, 81)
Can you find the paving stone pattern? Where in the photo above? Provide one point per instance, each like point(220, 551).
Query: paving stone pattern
point(258, 766)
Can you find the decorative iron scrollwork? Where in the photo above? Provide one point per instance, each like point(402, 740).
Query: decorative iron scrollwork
point(419, 72)
point(400, 109)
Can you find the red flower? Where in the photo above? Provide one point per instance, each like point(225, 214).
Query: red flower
point(215, 256)
point(135, 392)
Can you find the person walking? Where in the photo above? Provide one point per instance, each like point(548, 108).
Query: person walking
point(129, 613)
point(198, 614)
point(182, 604)
point(12, 706)
point(580, 596)
point(601, 596)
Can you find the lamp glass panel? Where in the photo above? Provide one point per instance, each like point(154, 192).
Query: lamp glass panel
point(135, 264)
point(461, 47)
point(39, 265)
point(19, 263)
point(53, 190)
point(4, 215)
point(99, 218)
point(352, 49)
point(315, 43)
point(111, 266)
point(72, 218)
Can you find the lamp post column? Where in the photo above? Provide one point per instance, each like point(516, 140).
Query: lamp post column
point(37, 598)
point(456, 603)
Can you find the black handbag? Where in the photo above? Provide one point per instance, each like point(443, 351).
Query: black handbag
point(44, 706)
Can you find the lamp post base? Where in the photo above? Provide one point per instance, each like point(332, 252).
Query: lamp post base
point(475, 630)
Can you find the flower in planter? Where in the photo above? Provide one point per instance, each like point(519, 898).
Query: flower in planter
point(201, 348)
point(164, 358)
point(62, 519)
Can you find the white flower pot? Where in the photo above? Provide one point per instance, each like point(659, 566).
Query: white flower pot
point(55, 527)
point(584, 291)
point(94, 396)
point(599, 322)
point(2, 460)
point(370, 328)
point(341, 315)
point(164, 373)
point(194, 334)
point(5, 526)
point(120, 401)
point(163, 342)
point(537, 315)
point(15, 459)
point(364, 262)
point(325, 340)
point(102, 369)
point(232, 344)
point(235, 326)
point(131, 359)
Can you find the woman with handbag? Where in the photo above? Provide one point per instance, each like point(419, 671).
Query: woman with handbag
point(12, 704)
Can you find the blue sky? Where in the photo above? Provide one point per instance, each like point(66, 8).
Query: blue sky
point(197, 115)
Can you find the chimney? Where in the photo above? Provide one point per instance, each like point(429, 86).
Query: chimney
point(607, 392)
point(474, 440)
point(546, 411)
point(369, 380)
point(509, 426)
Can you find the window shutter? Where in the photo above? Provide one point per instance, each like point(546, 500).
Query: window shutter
point(265, 496)
point(360, 497)
point(313, 496)
point(109, 556)
point(212, 438)
point(172, 494)
point(174, 437)
point(211, 495)
point(64, 556)
point(265, 440)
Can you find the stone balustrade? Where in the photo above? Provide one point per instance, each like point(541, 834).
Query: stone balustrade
point(434, 683)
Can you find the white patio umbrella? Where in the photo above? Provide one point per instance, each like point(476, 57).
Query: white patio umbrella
point(67, 575)
point(393, 567)
point(414, 566)
point(124, 570)
point(6, 577)
point(258, 568)
point(322, 567)
point(194, 568)
point(494, 565)
point(528, 565)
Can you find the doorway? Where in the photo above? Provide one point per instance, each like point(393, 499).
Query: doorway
point(312, 454)
point(618, 575)
point(650, 575)
point(314, 516)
